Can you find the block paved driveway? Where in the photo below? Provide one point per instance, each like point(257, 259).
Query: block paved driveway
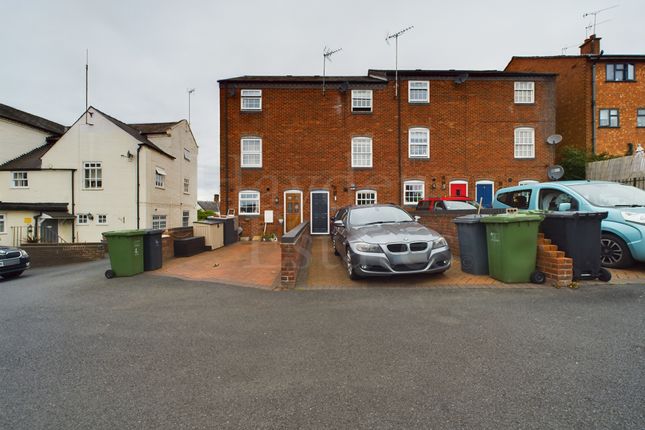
point(80, 351)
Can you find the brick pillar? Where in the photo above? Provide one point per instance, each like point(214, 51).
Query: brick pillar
point(556, 266)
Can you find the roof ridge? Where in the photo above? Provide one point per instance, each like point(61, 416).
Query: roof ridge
point(30, 119)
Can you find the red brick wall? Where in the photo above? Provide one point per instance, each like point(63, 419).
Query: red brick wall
point(43, 255)
point(294, 257)
point(306, 141)
point(557, 268)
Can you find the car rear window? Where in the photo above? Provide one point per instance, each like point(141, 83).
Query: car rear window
point(516, 199)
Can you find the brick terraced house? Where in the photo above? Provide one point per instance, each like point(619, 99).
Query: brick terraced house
point(300, 152)
point(600, 101)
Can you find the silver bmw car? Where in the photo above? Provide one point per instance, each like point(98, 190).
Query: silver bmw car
point(378, 240)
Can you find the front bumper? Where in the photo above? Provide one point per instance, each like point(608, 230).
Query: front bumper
point(12, 265)
point(387, 263)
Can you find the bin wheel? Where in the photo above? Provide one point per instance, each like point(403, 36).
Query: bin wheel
point(604, 275)
point(538, 277)
point(109, 273)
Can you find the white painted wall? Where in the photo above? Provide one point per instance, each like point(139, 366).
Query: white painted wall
point(17, 139)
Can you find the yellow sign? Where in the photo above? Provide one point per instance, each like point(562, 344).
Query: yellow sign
point(27, 220)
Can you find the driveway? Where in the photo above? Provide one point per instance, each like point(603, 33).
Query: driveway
point(80, 351)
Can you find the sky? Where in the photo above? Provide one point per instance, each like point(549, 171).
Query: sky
point(145, 55)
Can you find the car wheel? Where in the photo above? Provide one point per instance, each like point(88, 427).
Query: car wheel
point(12, 275)
point(333, 245)
point(350, 267)
point(614, 252)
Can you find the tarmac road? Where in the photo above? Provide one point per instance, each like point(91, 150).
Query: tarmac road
point(80, 351)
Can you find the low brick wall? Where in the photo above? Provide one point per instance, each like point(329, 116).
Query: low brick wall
point(168, 240)
point(44, 254)
point(295, 254)
point(557, 268)
point(443, 223)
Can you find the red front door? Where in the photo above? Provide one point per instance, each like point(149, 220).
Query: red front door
point(459, 189)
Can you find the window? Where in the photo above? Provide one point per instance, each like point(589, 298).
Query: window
point(418, 91)
point(419, 143)
point(528, 182)
point(516, 199)
point(413, 191)
point(82, 219)
point(251, 99)
point(20, 180)
point(524, 142)
point(365, 197)
point(620, 72)
point(249, 203)
point(640, 118)
point(159, 222)
point(251, 152)
point(361, 100)
point(160, 177)
point(101, 219)
point(609, 118)
point(186, 185)
point(550, 200)
point(92, 175)
point(361, 152)
point(185, 218)
point(186, 154)
point(2, 223)
point(524, 92)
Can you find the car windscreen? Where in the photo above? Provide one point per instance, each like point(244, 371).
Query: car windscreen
point(377, 215)
point(611, 195)
point(455, 205)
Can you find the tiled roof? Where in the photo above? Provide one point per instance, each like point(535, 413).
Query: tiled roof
point(208, 205)
point(22, 117)
point(154, 127)
point(30, 160)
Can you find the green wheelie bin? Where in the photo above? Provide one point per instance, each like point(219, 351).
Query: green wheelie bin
point(512, 247)
point(126, 252)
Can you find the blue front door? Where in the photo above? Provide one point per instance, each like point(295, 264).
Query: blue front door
point(484, 193)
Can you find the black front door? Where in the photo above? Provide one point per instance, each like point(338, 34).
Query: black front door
point(319, 212)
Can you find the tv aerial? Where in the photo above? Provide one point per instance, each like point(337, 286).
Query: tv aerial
point(396, 36)
point(327, 53)
point(595, 16)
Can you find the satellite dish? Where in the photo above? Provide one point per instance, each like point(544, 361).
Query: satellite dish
point(555, 172)
point(461, 78)
point(554, 139)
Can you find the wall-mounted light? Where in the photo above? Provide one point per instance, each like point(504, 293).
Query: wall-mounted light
point(277, 200)
point(90, 217)
point(352, 187)
point(30, 229)
point(434, 186)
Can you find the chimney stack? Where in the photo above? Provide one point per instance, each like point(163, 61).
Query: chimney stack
point(216, 198)
point(591, 46)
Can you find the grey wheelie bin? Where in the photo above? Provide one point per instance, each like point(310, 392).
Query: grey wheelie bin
point(473, 248)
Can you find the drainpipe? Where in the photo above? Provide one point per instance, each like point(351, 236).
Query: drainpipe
point(225, 126)
point(593, 107)
point(398, 136)
point(138, 187)
point(73, 210)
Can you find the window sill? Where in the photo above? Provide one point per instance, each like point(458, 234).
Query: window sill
point(524, 158)
point(362, 167)
point(525, 103)
point(250, 110)
point(362, 112)
point(251, 167)
point(92, 189)
point(418, 103)
point(249, 215)
point(608, 126)
point(19, 188)
point(419, 158)
point(632, 81)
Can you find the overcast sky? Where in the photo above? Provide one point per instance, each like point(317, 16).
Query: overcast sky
point(144, 55)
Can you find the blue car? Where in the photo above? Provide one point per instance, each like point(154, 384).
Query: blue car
point(623, 231)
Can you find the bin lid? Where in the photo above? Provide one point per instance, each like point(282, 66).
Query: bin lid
point(151, 231)
point(118, 233)
point(506, 219)
point(209, 221)
point(577, 214)
point(469, 219)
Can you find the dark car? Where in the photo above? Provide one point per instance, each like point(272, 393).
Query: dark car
point(449, 203)
point(13, 261)
point(381, 240)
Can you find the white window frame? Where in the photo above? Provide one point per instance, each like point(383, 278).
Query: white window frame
point(362, 100)
point(519, 153)
point(413, 183)
point(248, 95)
point(423, 85)
point(18, 177)
point(160, 178)
point(82, 219)
point(187, 156)
point(186, 186)
point(159, 221)
point(416, 144)
point(524, 92)
point(185, 218)
point(95, 167)
point(362, 200)
point(362, 140)
point(239, 202)
point(98, 219)
point(243, 152)
point(3, 223)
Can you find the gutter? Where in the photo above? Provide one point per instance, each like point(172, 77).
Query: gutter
point(398, 136)
point(225, 126)
point(73, 210)
point(138, 187)
point(593, 107)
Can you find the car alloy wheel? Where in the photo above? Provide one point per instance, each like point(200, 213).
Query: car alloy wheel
point(333, 245)
point(614, 252)
point(350, 267)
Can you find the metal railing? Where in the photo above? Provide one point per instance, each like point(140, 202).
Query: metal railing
point(635, 182)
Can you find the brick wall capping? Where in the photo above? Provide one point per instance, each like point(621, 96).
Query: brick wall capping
point(295, 233)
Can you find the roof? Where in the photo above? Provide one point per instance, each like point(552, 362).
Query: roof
point(208, 205)
point(57, 215)
point(452, 73)
point(22, 117)
point(154, 127)
point(42, 207)
point(138, 135)
point(610, 57)
point(28, 161)
point(315, 79)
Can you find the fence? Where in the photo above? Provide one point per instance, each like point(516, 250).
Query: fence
point(636, 182)
point(618, 169)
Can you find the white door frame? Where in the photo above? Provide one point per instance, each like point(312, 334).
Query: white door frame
point(284, 208)
point(311, 210)
point(485, 182)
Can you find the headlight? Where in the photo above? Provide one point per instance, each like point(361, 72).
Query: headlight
point(24, 253)
point(367, 247)
point(636, 217)
point(439, 243)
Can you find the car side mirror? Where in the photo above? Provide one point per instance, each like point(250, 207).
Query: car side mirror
point(339, 223)
point(564, 207)
point(417, 218)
